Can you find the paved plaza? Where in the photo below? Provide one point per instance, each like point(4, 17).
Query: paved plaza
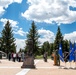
point(42, 68)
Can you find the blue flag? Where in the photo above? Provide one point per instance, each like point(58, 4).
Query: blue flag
point(74, 52)
point(71, 52)
point(60, 53)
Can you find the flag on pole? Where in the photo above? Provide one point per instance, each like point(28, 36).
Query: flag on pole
point(74, 52)
point(60, 52)
point(71, 52)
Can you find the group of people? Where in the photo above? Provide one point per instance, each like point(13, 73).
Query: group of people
point(16, 56)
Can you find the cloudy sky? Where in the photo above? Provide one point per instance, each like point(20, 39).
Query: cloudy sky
point(47, 14)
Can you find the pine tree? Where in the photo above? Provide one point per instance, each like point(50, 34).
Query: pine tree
point(66, 46)
point(33, 35)
point(46, 47)
point(58, 39)
point(7, 39)
point(51, 48)
point(0, 43)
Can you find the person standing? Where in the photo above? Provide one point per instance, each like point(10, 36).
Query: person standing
point(19, 56)
point(9, 56)
point(58, 58)
point(45, 56)
point(22, 56)
point(14, 56)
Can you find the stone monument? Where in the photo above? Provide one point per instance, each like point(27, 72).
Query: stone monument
point(29, 58)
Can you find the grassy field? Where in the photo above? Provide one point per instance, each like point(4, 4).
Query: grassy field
point(41, 57)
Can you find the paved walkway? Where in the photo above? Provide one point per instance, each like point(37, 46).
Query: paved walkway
point(42, 68)
point(47, 68)
point(9, 67)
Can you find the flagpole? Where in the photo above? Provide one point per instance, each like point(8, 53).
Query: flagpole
point(75, 59)
point(70, 66)
point(71, 55)
point(65, 57)
point(75, 62)
point(75, 65)
point(65, 65)
point(60, 61)
point(60, 54)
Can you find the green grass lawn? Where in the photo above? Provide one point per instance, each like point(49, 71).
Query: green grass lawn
point(41, 57)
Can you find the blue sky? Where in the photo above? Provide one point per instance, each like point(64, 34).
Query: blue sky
point(47, 14)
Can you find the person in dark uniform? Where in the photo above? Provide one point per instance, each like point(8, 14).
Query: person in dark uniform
point(9, 56)
point(58, 58)
point(45, 56)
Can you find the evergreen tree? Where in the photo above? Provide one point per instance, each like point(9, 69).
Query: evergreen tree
point(58, 39)
point(0, 43)
point(46, 47)
point(7, 39)
point(33, 35)
point(51, 48)
point(42, 49)
point(66, 46)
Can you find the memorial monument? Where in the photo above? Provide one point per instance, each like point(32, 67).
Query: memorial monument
point(29, 58)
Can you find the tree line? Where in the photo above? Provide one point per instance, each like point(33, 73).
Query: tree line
point(7, 41)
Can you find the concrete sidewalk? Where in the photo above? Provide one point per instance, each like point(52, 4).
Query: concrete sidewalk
point(9, 67)
point(47, 68)
point(42, 68)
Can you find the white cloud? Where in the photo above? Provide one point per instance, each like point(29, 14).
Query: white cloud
point(15, 27)
point(18, 1)
point(20, 44)
point(70, 36)
point(46, 35)
point(6, 3)
point(12, 22)
point(1, 11)
point(20, 32)
point(50, 10)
